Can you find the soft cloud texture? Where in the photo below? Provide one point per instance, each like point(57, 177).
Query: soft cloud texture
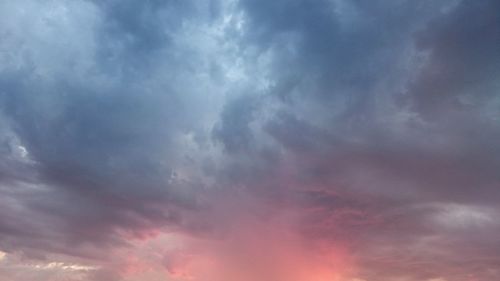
point(243, 140)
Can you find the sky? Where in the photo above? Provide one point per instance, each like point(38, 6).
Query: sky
point(249, 140)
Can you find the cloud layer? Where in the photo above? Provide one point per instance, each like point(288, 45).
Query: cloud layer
point(244, 140)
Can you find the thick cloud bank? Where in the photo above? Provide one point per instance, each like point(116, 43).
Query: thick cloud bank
point(244, 140)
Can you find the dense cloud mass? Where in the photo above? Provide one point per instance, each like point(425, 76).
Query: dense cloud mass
point(244, 140)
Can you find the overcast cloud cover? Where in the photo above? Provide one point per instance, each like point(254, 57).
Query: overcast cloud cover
point(249, 140)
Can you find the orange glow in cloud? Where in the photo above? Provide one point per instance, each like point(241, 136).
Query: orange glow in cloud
point(249, 241)
point(260, 251)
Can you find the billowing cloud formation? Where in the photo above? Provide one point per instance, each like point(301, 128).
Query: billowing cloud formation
point(249, 140)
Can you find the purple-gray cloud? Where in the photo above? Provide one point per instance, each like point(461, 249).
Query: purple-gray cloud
point(375, 124)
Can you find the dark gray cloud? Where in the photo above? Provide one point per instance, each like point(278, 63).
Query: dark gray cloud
point(376, 122)
point(394, 105)
point(94, 129)
point(463, 60)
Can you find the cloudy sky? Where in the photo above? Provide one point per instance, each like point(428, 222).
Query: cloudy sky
point(249, 140)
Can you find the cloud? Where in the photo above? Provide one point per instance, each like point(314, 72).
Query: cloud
point(134, 136)
point(103, 143)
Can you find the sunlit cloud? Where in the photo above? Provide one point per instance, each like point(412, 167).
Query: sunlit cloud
point(244, 140)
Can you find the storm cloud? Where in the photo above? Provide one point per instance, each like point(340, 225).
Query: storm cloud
point(179, 140)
